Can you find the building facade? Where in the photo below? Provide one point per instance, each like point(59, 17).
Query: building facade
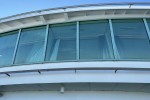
point(92, 52)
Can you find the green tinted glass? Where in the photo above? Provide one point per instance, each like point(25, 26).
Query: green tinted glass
point(61, 42)
point(131, 39)
point(31, 45)
point(95, 40)
point(7, 47)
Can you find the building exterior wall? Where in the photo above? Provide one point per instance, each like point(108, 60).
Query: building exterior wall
point(75, 95)
point(94, 44)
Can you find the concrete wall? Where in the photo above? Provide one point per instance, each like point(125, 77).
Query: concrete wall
point(75, 95)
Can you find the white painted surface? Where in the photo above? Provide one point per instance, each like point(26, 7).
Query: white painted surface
point(70, 76)
point(90, 64)
point(75, 95)
point(104, 77)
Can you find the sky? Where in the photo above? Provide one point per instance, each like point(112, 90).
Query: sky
point(12, 7)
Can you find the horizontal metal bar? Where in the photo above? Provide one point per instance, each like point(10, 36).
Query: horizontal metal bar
point(75, 69)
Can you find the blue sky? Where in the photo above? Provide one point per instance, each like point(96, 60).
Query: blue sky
point(12, 7)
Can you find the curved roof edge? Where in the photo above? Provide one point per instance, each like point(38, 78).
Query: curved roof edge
point(128, 4)
point(75, 13)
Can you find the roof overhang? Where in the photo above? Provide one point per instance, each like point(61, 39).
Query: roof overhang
point(75, 13)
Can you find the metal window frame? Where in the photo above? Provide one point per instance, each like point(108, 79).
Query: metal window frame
point(77, 40)
point(115, 51)
point(147, 28)
point(16, 46)
point(46, 42)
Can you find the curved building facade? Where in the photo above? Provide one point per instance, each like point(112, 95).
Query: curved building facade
point(92, 52)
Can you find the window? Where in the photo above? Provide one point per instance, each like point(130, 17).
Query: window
point(130, 35)
point(95, 40)
point(7, 47)
point(31, 45)
point(131, 39)
point(61, 42)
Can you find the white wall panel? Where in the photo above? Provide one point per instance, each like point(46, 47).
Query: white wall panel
point(75, 95)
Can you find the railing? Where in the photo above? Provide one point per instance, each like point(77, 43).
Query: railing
point(75, 70)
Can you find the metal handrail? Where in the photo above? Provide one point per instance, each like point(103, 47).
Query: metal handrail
point(75, 69)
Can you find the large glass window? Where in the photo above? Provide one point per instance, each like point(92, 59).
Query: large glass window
point(31, 45)
point(95, 40)
point(131, 39)
point(61, 42)
point(7, 47)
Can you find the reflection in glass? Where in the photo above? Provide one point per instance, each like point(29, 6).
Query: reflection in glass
point(31, 45)
point(131, 39)
point(61, 42)
point(95, 40)
point(7, 47)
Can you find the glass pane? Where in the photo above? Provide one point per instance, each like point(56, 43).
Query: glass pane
point(131, 39)
point(95, 40)
point(62, 42)
point(7, 47)
point(31, 45)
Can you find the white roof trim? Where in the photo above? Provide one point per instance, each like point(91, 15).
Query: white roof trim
point(75, 13)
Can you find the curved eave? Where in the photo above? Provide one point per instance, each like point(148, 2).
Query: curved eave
point(77, 72)
point(74, 13)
